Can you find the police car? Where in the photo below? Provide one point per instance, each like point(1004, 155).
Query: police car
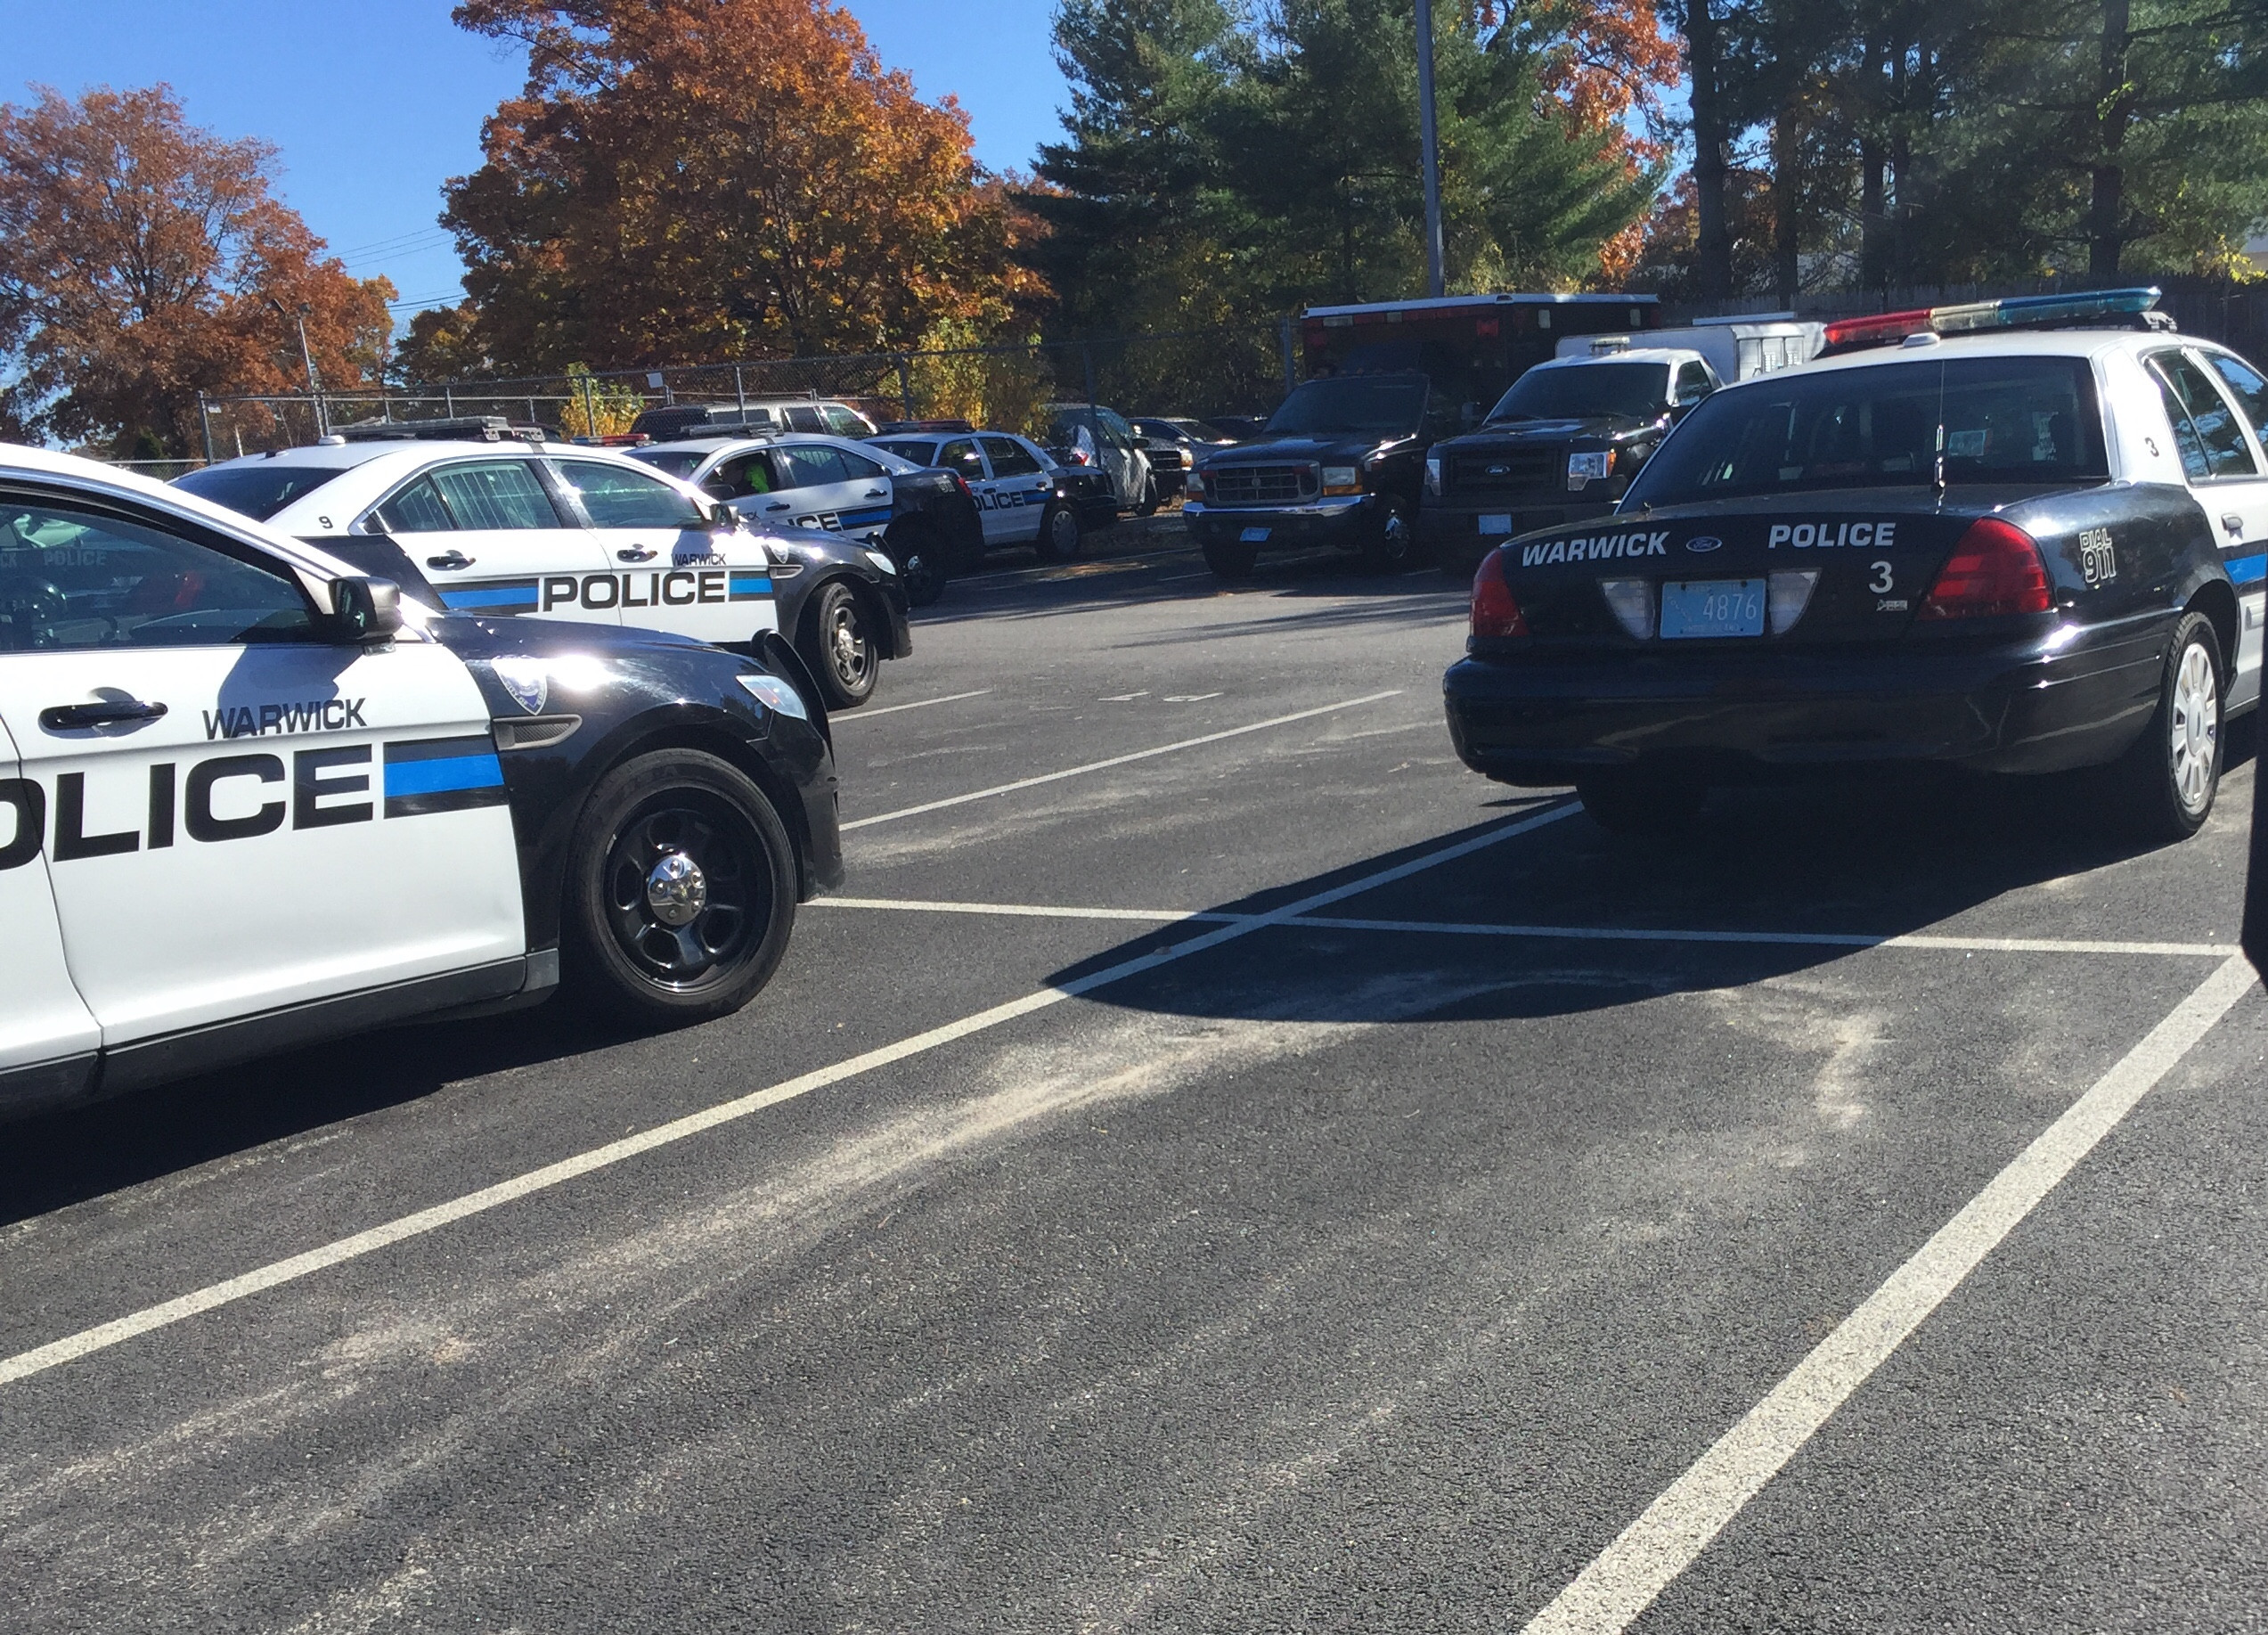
point(925, 521)
point(1021, 494)
point(2020, 536)
point(250, 799)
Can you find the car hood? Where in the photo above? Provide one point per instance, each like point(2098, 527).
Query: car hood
point(1521, 431)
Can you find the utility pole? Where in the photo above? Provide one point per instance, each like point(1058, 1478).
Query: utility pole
point(306, 355)
point(1429, 139)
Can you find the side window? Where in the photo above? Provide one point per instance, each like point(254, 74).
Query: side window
point(806, 465)
point(2185, 438)
point(2213, 423)
point(619, 498)
point(857, 468)
point(960, 456)
point(845, 422)
point(740, 477)
point(73, 578)
point(1009, 457)
point(1692, 382)
point(803, 417)
point(1116, 429)
point(497, 493)
point(2247, 386)
point(418, 508)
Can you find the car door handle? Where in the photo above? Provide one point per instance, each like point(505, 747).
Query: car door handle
point(878, 493)
point(2232, 522)
point(449, 558)
point(635, 553)
point(63, 717)
point(777, 505)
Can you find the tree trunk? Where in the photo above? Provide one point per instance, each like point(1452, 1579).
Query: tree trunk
point(1785, 184)
point(1710, 138)
point(2106, 208)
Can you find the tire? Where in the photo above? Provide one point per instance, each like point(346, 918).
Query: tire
point(1623, 803)
point(1392, 545)
point(1231, 561)
point(1058, 535)
point(920, 557)
point(621, 954)
point(838, 642)
point(2166, 782)
point(1148, 506)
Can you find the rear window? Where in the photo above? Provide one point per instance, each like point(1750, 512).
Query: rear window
point(1997, 420)
point(921, 454)
point(258, 491)
point(676, 462)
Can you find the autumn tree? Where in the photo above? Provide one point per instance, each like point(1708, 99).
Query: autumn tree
point(144, 260)
point(694, 180)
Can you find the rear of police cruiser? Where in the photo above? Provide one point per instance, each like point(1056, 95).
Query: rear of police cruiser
point(1970, 540)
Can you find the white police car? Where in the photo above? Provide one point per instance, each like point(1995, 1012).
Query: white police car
point(250, 798)
point(1012, 479)
point(507, 525)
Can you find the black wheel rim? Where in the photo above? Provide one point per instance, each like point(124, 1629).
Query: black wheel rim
point(850, 650)
point(728, 877)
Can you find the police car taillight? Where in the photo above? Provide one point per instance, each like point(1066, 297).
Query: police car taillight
point(1496, 610)
point(1995, 569)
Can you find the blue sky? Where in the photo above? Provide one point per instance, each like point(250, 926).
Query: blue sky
point(373, 103)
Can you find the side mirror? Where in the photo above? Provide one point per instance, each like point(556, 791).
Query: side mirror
point(368, 610)
point(722, 518)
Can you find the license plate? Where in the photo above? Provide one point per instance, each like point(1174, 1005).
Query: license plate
point(1496, 522)
point(1253, 536)
point(1712, 608)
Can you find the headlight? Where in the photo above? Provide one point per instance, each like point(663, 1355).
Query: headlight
point(1432, 474)
point(775, 694)
point(1196, 488)
point(1341, 479)
point(1586, 468)
point(881, 562)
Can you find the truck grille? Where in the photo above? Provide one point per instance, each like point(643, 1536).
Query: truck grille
point(1259, 485)
point(1525, 468)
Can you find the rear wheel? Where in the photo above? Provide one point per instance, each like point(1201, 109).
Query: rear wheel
point(1630, 803)
point(2167, 781)
point(1231, 561)
point(680, 890)
point(1058, 533)
point(838, 642)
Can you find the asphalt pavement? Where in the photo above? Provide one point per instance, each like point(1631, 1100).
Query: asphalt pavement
point(1218, 1167)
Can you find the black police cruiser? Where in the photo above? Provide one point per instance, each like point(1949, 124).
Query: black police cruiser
point(250, 798)
point(2011, 549)
point(1339, 465)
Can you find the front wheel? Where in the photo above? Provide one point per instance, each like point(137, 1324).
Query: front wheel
point(1148, 506)
point(2167, 781)
point(1058, 533)
point(921, 565)
point(838, 642)
point(680, 890)
point(1394, 543)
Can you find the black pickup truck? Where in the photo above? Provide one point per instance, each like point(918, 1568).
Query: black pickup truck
point(1338, 465)
point(1561, 446)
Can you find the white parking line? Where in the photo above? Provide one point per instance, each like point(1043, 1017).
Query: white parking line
point(892, 710)
point(1624, 1579)
point(1588, 934)
point(149, 1319)
point(1116, 760)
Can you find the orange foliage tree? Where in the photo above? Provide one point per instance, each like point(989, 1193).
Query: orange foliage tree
point(139, 256)
point(693, 180)
point(1609, 67)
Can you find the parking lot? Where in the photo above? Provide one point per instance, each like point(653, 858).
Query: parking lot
point(1218, 1166)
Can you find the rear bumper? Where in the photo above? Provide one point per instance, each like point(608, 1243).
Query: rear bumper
point(1450, 529)
point(1340, 523)
point(1739, 718)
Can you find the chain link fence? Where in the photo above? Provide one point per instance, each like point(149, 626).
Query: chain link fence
point(1230, 371)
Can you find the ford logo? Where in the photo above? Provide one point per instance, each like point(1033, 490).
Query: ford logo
point(1703, 541)
point(1499, 470)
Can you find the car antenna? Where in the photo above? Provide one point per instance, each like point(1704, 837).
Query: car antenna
point(1941, 462)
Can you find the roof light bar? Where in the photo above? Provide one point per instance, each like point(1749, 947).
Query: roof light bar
point(1970, 317)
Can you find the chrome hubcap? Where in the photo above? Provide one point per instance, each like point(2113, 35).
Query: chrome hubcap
point(676, 890)
point(2196, 728)
point(848, 647)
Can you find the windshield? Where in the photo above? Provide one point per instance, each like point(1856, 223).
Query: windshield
point(1587, 391)
point(1997, 420)
point(256, 490)
point(676, 462)
point(1372, 406)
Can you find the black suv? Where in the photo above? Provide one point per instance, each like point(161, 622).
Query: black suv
point(1560, 446)
point(1339, 464)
